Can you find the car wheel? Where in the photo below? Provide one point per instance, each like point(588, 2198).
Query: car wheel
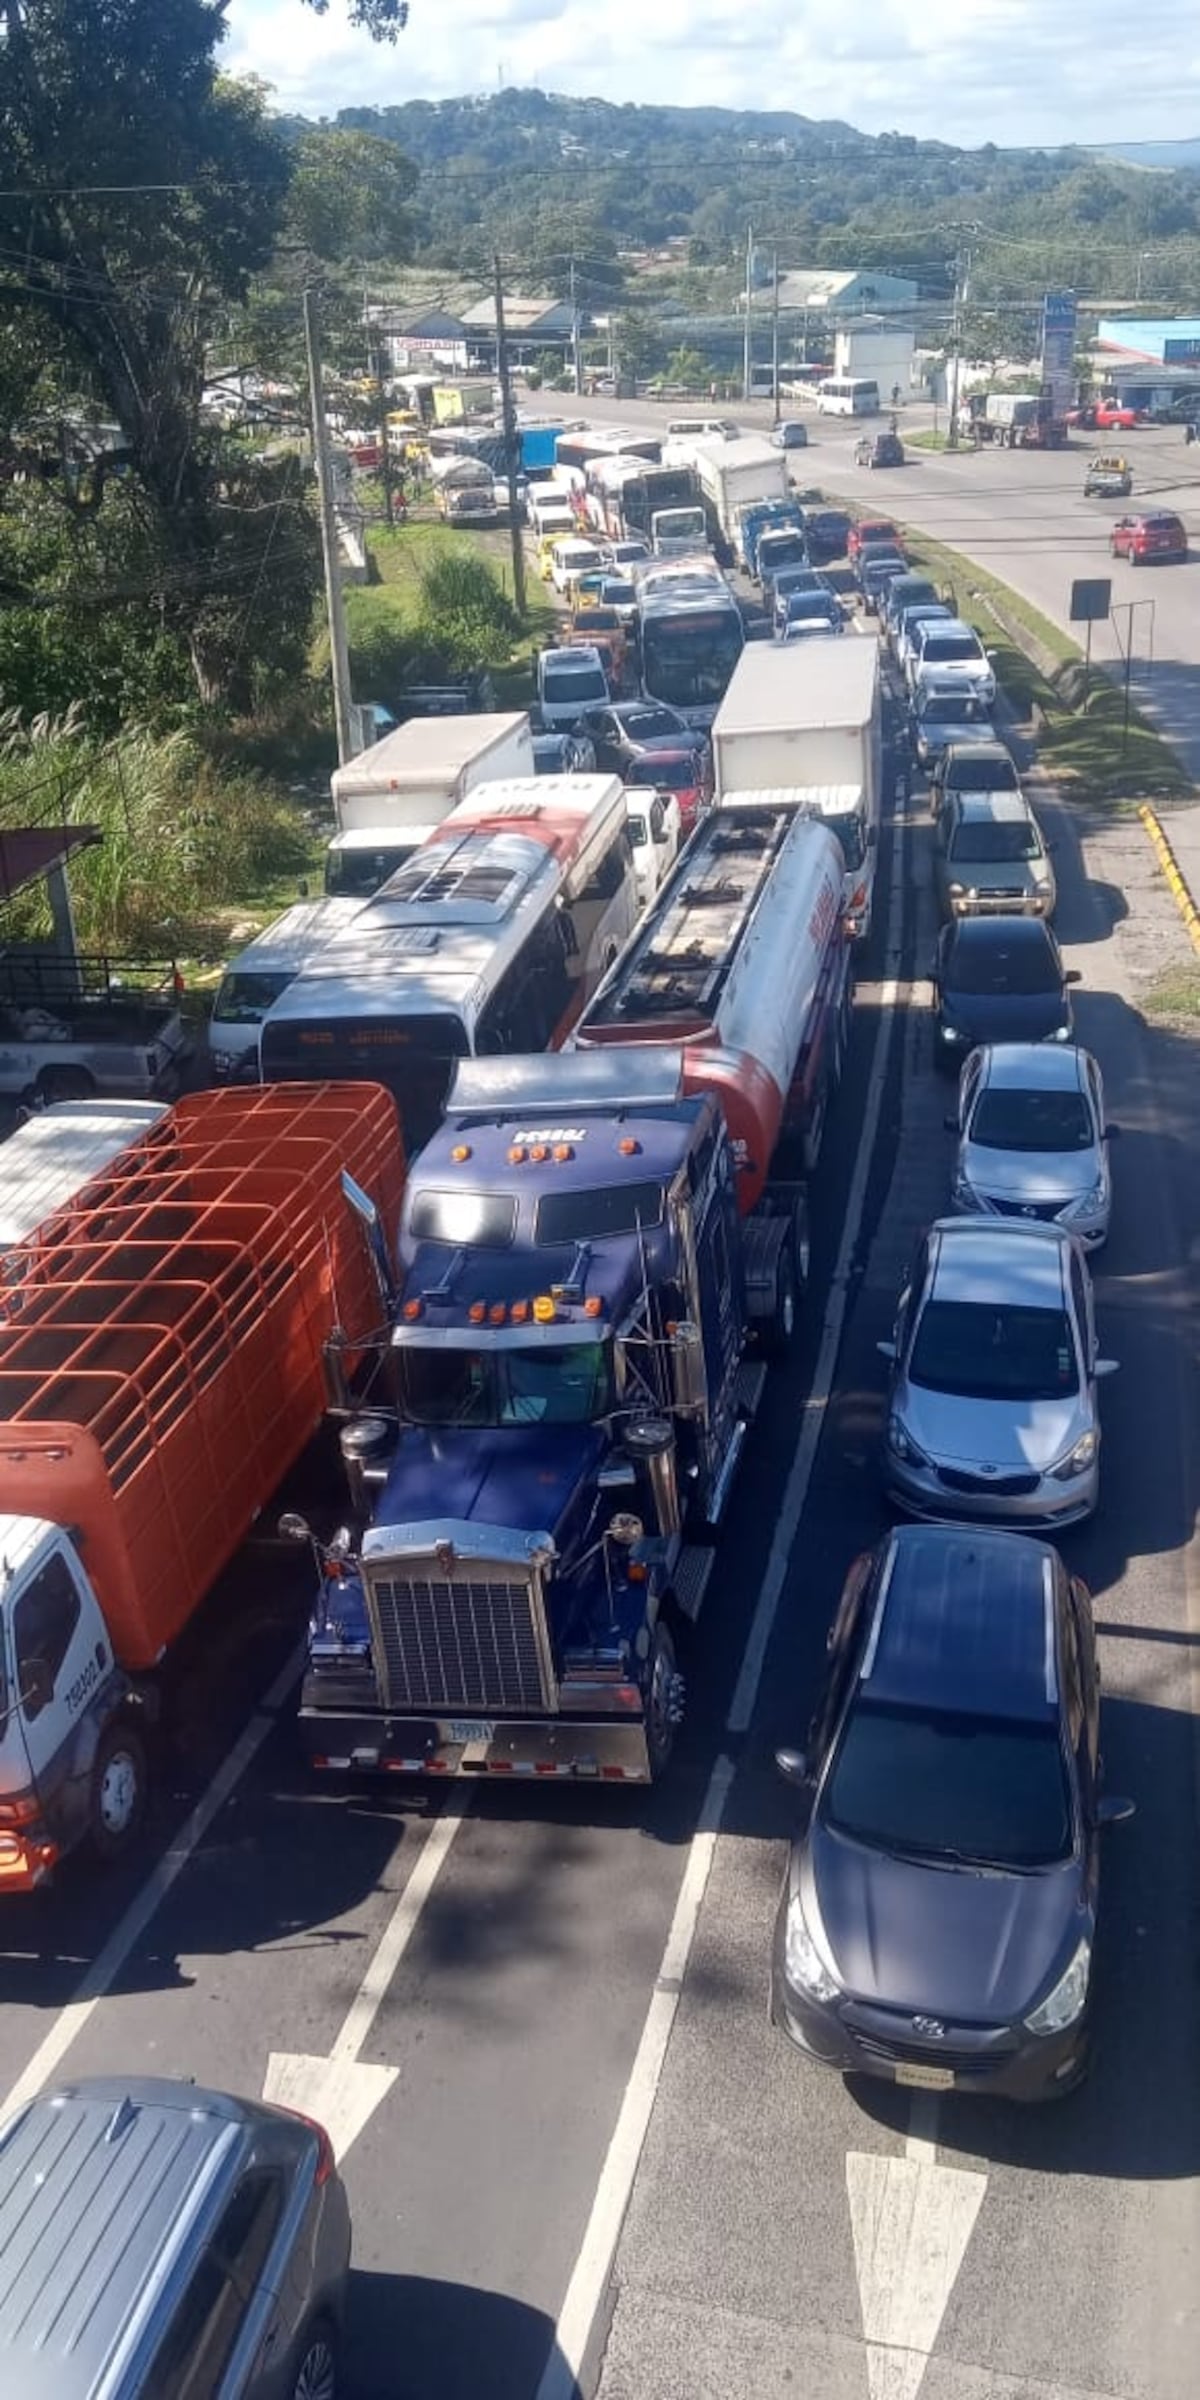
point(117, 1802)
point(315, 2374)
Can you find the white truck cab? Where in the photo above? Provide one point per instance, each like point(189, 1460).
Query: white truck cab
point(70, 1762)
point(654, 831)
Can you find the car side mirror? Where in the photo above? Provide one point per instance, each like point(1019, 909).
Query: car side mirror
point(1073, 975)
point(887, 1350)
point(1105, 1366)
point(1112, 1133)
point(1115, 1809)
point(951, 1124)
point(792, 1765)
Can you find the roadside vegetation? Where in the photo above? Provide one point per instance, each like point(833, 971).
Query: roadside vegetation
point(1174, 996)
point(1080, 736)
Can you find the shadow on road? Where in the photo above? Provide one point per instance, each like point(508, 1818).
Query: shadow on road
point(410, 2337)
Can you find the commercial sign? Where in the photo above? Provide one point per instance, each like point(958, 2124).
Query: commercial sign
point(1059, 311)
point(1181, 350)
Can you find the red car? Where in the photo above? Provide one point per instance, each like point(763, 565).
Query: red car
point(1140, 539)
point(872, 529)
point(686, 774)
point(1107, 416)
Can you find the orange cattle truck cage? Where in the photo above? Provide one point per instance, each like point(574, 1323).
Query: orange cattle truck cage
point(162, 1355)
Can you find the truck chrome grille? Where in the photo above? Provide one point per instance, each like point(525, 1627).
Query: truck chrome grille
point(452, 1645)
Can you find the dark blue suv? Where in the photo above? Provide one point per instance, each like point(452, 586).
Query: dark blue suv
point(938, 1915)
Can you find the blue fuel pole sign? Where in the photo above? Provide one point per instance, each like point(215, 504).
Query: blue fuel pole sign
point(1059, 311)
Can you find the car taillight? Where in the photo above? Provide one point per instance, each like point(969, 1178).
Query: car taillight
point(326, 2162)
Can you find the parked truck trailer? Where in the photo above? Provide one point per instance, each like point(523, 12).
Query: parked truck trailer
point(802, 727)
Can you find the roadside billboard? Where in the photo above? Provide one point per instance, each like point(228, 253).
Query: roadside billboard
point(1059, 311)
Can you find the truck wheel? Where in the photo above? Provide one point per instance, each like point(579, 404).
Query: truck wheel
point(119, 1788)
point(801, 1246)
point(66, 1083)
point(664, 1704)
point(780, 1326)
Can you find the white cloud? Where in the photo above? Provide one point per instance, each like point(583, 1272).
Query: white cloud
point(963, 71)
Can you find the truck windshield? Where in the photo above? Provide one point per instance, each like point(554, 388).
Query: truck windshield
point(679, 525)
point(568, 1385)
point(358, 874)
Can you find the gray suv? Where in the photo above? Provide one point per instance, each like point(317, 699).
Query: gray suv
point(160, 2242)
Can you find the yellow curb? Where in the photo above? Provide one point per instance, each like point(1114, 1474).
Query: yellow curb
point(1177, 883)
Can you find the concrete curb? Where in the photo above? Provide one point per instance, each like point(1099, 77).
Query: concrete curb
point(1176, 881)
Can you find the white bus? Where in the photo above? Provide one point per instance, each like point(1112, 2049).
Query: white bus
point(848, 396)
point(492, 937)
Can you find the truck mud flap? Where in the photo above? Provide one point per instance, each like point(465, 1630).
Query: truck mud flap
point(693, 1569)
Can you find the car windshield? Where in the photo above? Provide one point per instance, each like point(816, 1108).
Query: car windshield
point(932, 1784)
point(982, 775)
point(573, 686)
point(565, 1385)
point(642, 724)
point(984, 1350)
point(1014, 1120)
point(797, 579)
point(1015, 968)
point(940, 648)
point(951, 708)
point(808, 604)
point(1001, 841)
point(657, 770)
point(617, 593)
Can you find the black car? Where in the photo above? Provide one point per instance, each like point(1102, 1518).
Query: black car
point(938, 1915)
point(623, 732)
point(908, 591)
point(827, 531)
point(998, 979)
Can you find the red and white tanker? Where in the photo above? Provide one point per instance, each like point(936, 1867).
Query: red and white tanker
point(743, 962)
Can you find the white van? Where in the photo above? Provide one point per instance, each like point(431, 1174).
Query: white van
point(549, 510)
point(569, 682)
point(686, 429)
point(253, 981)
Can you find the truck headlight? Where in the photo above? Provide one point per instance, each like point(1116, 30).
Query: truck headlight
point(802, 1962)
point(1065, 2003)
point(1078, 1460)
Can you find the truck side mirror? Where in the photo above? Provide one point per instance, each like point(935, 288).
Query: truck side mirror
point(792, 1765)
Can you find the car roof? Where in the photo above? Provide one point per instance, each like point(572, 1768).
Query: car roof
point(939, 626)
point(1000, 932)
point(81, 2265)
point(994, 1261)
point(1034, 1066)
point(992, 752)
point(965, 1620)
point(941, 688)
point(993, 808)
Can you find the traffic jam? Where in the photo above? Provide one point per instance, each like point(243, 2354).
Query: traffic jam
point(483, 1319)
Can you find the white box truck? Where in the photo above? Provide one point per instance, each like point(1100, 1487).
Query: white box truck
point(734, 474)
point(393, 796)
point(802, 727)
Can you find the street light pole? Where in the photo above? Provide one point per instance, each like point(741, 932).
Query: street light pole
point(746, 359)
point(775, 337)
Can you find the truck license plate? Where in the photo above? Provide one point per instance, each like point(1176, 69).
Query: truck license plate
point(470, 1729)
point(926, 2079)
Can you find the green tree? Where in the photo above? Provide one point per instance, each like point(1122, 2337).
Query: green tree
point(349, 197)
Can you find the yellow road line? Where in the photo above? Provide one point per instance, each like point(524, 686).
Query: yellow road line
point(1176, 880)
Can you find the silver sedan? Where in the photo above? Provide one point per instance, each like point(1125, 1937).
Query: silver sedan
point(992, 1412)
point(1033, 1142)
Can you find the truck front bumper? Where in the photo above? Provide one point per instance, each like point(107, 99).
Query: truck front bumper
point(547, 1749)
point(26, 1859)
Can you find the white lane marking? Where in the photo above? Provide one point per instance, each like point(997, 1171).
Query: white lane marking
point(103, 1972)
point(911, 2221)
point(341, 2091)
point(594, 2263)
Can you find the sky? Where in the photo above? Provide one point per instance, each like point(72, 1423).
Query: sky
point(963, 71)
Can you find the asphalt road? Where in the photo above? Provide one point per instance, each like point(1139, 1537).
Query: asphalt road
point(504, 2003)
point(1022, 515)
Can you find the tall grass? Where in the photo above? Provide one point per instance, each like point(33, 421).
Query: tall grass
point(180, 836)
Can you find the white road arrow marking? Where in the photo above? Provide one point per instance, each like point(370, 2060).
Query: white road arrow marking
point(911, 2220)
point(340, 2091)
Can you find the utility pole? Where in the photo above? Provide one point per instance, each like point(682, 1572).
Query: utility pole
point(386, 475)
point(339, 650)
point(746, 357)
point(775, 336)
point(962, 269)
point(575, 333)
point(512, 459)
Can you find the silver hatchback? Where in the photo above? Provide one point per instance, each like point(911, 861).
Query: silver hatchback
point(158, 2241)
point(989, 857)
point(1033, 1142)
point(992, 1412)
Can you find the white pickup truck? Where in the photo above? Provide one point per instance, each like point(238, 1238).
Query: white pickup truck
point(72, 1028)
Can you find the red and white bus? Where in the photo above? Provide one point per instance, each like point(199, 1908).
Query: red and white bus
point(491, 937)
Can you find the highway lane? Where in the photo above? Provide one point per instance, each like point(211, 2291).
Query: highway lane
point(1022, 515)
point(787, 2229)
point(496, 2052)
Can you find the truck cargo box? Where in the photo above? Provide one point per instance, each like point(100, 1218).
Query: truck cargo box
point(162, 1364)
